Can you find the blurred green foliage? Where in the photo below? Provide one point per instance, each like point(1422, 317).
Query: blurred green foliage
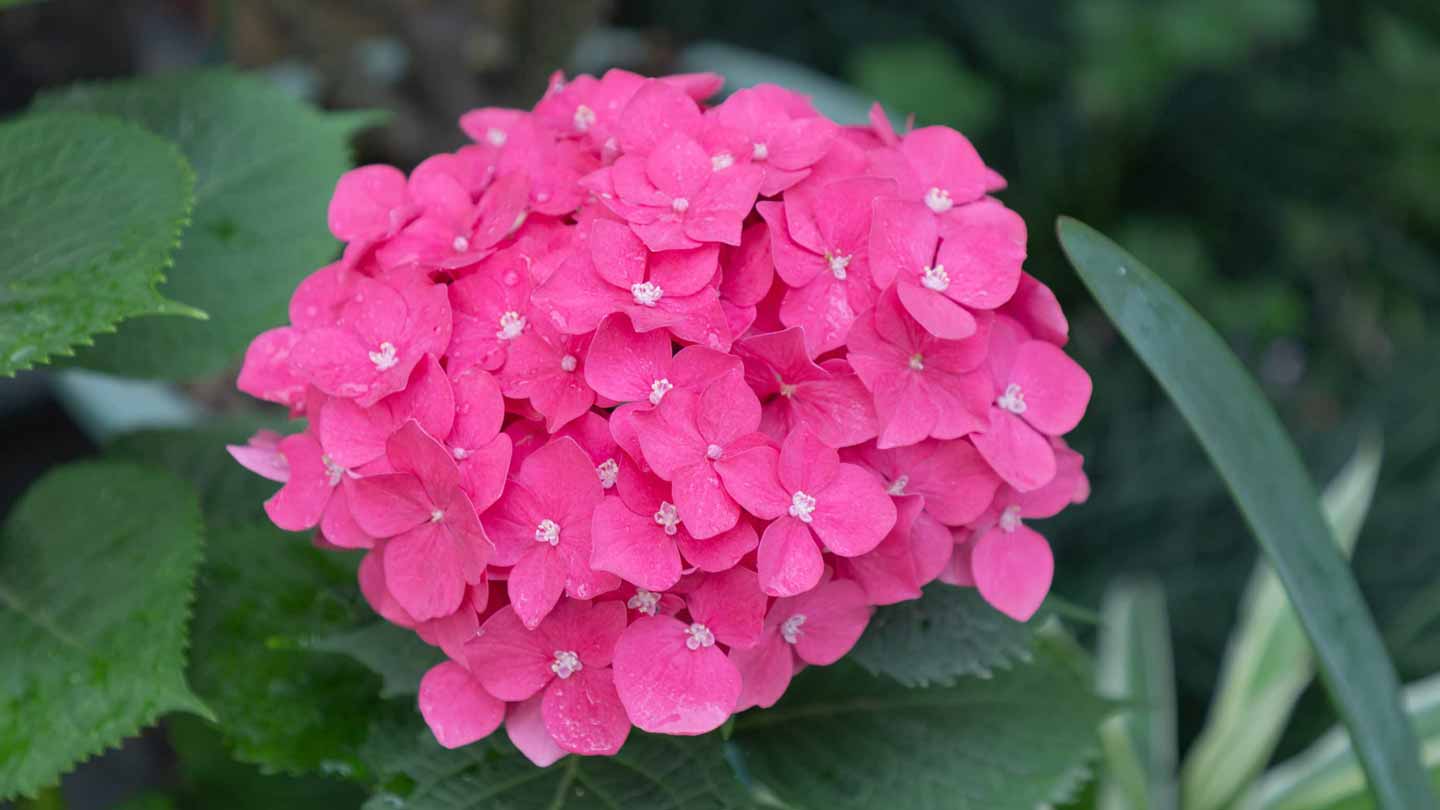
point(1277, 162)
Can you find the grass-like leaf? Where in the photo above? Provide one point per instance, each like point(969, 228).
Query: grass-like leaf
point(1250, 449)
point(1136, 666)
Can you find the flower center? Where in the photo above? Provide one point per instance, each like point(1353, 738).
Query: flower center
point(938, 200)
point(721, 162)
point(787, 389)
point(790, 630)
point(1013, 400)
point(333, 471)
point(608, 471)
point(1010, 518)
point(568, 363)
point(646, 293)
point(760, 151)
point(512, 324)
point(680, 204)
point(566, 663)
point(496, 137)
point(646, 602)
point(897, 487)
point(384, 359)
point(584, 118)
point(461, 244)
point(437, 515)
point(837, 264)
point(802, 506)
point(713, 451)
point(935, 278)
point(658, 390)
point(699, 636)
point(548, 532)
point(917, 362)
point(668, 517)
point(460, 453)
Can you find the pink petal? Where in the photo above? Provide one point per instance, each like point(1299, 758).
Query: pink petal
point(368, 201)
point(684, 272)
point(588, 629)
point(852, 513)
point(839, 410)
point(300, 504)
point(765, 671)
point(939, 315)
point(262, 456)
point(727, 409)
point(633, 547)
point(720, 552)
point(788, 558)
point(483, 471)
point(266, 373)
point(796, 264)
point(622, 364)
point(525, 727)
point(718, 212)
point(944, 158)
point(823, 310)
point(903, 238)
point(806, 463)
point(1037, 309)
point(584, 715)
point(372, 586)
point(667, 688)
point(657, 111)
point(748, 269)
point(512, 662)
point(668, 435)
point(1013, 570)
point(702, 502)
point(338, 523)
point(456, 707)
point(424, 570)
point(479, 409)
point(1019, 455)
point(956, 481)
point(836, 613)
point(1056, 388)
point(536, 584)
point(731, 605)
point(752, 478)
point(983, 249)
point(617, 253)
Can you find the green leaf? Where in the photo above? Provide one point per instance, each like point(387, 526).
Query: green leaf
point(397, 655)
point(1327, 777)
point(1136, 666)
point(651, 772)
point(947, 633)
point(841, 739)
point(266, 165)
point(91, 209)
point(96, 568)
point(1249, 447)
point(1269, 663)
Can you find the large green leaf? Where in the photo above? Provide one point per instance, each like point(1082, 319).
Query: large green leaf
point(91, 209)
point(394, 653)
point(1327, 777)
point(1136, 666)
point(1245, 440)
point(266, 165)
point(97, 563)
point(1269, 663)
point(947, 633)
point(651, 772)
point(842, 739)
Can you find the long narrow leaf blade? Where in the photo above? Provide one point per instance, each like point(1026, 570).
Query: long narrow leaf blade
point(1260, 466)
point(1269, 663)
point(1136, 667)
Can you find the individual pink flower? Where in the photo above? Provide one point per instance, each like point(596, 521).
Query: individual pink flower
point(547, 368)
point(525, 726)
point(818, 627)
point(936, 166)
point(922, 386)
point(266, 373)
point(454, 231)
point(316, 491)
point(456, 707)
point(808, 495)
point(383, 333)
point(945, 271)
point(911, 555)
point(955, 481)
point(370, 203)
point(747, 270)
point(820, 241)
point(436, 543)
point(672, 676)
point(567, 658)
point(474, 440)
point(688, 434)
point(771, 128)
point(1036, 309)
point(354, 436)
point(541, 526)
point(1038, 392)
point(491, 309)
point(795, 391)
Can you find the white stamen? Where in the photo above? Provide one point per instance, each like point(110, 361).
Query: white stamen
point(802, 506)
point(610, 149)
point(658, 390)
point(790, 630)
point(584, 118)
point(384, 359)
point(1013, 400)
point(496, 137)
point(935, 278)
point(460, 453)
point(461, 244)
point(917, 362)
point(837, 265)
point(512, 324)
point(787, 389)
point(568, 363)
point(760, 152)
point(721, 162)
point(713, 451)
point(548, 532)
point(647, 602)
point(1010, 518)
point(566, 663)
point(897, 487)
point(334, 472)
point(938, 200)
point(436, 516)
point(699, 636)
point(680, 204)
point(608, 471)
point(646, 293)
point(668, 517)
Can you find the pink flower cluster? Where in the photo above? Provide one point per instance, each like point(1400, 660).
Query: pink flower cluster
point(639, 405)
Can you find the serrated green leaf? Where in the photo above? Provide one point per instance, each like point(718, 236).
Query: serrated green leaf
point(947, 633)
point(841, 739)
point(266, 165)
point(1269, 663)
point(1250, 449)
point(394, 653)
point(652, 772)
point(91, 209)
point(1135, 665)
point(97, 563)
